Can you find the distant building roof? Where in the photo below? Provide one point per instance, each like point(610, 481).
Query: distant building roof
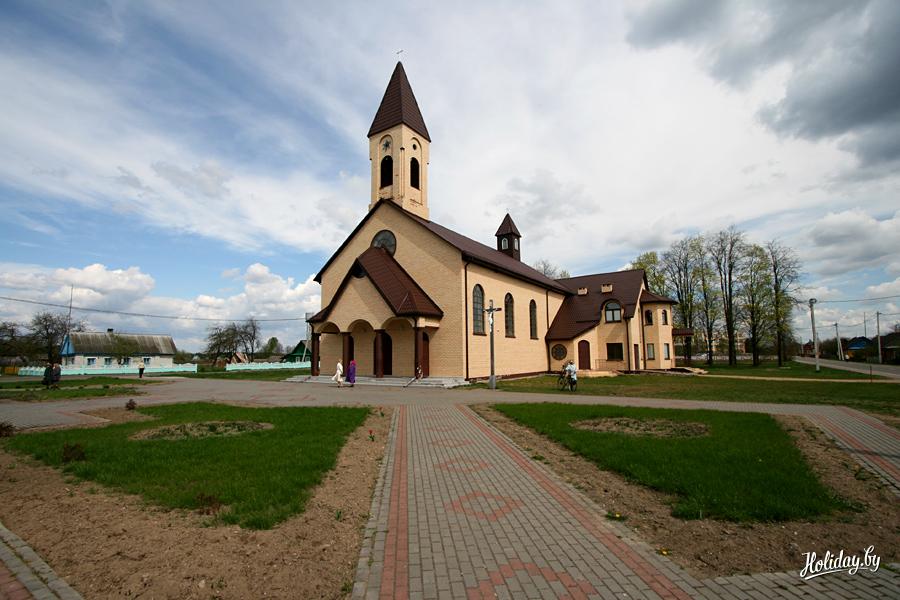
point(106, 342)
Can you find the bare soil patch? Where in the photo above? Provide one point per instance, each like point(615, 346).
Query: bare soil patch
point(205, 429)
point(721, 548)
point(111, 545)
point(652, 427)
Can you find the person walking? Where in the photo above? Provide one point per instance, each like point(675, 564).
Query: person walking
point(140, 367)
point(351, 373)
point(48, 376)
point(57, 375)
point(339, 374)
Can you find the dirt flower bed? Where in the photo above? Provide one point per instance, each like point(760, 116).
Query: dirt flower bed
point(205, 429)
point(111, 545)
point(653, 427)
point(720, 548)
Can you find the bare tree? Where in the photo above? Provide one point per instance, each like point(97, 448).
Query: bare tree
point(755, 297)
point(785, 275)
point(727, 249)
point(48, 330)
point(222, 340)
point(249, 337)
point(679, 267)
point(709, 304)
point(548, 269)
point(123, 348)
point(649, 262)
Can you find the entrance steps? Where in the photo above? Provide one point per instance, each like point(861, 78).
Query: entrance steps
point(425, 382)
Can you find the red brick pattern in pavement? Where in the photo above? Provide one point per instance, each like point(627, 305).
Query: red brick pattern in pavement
point(10, 587)
point(395, 580)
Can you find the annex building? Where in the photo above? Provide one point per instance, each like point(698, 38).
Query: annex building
point(403, 294)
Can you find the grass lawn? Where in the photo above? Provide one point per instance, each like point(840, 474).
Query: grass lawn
point(260, 477)
point(67, 393)
point(771, 369)
point(66, 382)
point(267, 375)
point(745, 469)
point(874, 397)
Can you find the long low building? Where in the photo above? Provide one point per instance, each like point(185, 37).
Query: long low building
point(110, 349)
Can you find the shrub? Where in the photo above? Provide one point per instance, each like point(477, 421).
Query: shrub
point(208, 503)
point(131, 405)
point(7, 429)
point(72, 452)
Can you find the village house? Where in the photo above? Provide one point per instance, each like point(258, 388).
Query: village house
point(111, 349)
point(404, 295)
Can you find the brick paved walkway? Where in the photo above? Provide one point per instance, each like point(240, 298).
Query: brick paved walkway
point(24, 575)
point(460, 512)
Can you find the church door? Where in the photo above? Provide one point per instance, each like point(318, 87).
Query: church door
point(637, 357)
point(584, 355)
point(387, 353)
point(425, 357)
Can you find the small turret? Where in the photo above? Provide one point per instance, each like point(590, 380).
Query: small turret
point(508, 237)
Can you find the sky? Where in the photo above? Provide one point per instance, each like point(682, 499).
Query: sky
point(205, 159)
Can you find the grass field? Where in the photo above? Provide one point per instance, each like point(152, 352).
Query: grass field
point(267, 375)
point(771, 369)
point(875, 397)
point(68, 383)
point(260, 478)
point(745, 469)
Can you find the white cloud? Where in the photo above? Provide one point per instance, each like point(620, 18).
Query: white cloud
point(853, 239)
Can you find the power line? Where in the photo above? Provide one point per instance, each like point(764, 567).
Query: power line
point(145, 315)
point(861, 299)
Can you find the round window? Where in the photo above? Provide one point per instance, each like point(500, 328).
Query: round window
point(558, 352)
point(385, 239)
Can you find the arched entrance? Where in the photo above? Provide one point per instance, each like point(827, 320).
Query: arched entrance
point(584, 355)
point(383, 351)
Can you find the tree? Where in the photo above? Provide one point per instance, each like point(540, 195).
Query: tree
point(183, 357)
point(13, 342)
point(649, 262)
point(708, 300)
point(48, 330)
point(123, 348)
point(727, 249)
point(550, 270)
point(222, 340)
point(248, 336)
point(755, 297)
point(273, 346)
point(785, 274)
point(679, 266)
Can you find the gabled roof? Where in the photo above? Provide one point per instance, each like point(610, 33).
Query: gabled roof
point(471, 251)
point(399, 106)
point(401, 293)
point(507, 227)
point(648, 297)
point(104, 342)
point(580, 313)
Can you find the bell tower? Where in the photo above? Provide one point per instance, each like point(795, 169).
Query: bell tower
point(398, 148)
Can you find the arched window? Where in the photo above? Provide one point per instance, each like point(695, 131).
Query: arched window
point(613, 312)
point(387, 171)
point(508, 308)
point(532, 315)
point(504, 244)
point(414, 173)
point(478, 310)
point(665, 319)
point(648, 317)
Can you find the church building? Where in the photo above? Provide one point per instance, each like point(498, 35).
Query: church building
point(404, 296)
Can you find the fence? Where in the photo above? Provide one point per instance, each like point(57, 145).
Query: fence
point(266, 366)
point(102, 370)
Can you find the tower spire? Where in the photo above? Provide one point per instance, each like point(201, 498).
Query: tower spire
point(399, 106)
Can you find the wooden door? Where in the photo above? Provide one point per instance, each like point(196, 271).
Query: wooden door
point(425, 355)
point(584, 355)
point(637, 357)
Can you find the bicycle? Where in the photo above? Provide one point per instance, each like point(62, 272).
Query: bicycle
point(566, 381)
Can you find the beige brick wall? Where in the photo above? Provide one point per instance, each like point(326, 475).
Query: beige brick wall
point(402, 151)
point(519, 354)
point(433, 263)
point(659, 335)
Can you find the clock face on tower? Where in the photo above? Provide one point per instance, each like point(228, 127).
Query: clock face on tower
point(385, 239)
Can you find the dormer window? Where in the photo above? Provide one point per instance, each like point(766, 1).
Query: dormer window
point(613, 312)
point(582, 291)
point(606, 288)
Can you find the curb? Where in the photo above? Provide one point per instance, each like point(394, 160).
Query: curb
point(31, 571)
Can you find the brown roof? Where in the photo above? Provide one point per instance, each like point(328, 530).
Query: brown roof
point(471, 250)
point(507, 227)
point(399, 290)
point(104, 342)
point(399, 106)
point(649, 298)
point(580, 313)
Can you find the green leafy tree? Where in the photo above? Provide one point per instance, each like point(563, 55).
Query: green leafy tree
point(755, 297)
point(785, 268)
point(727, 249)
point(656, 278)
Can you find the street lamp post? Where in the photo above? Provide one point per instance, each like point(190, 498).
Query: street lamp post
point(490, 310)
point(812, 317)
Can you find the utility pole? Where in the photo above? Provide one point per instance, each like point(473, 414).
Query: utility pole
point(865, 331)
point(490, 310)
point(878, 335)
point(837, 336)
point(812, 318)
